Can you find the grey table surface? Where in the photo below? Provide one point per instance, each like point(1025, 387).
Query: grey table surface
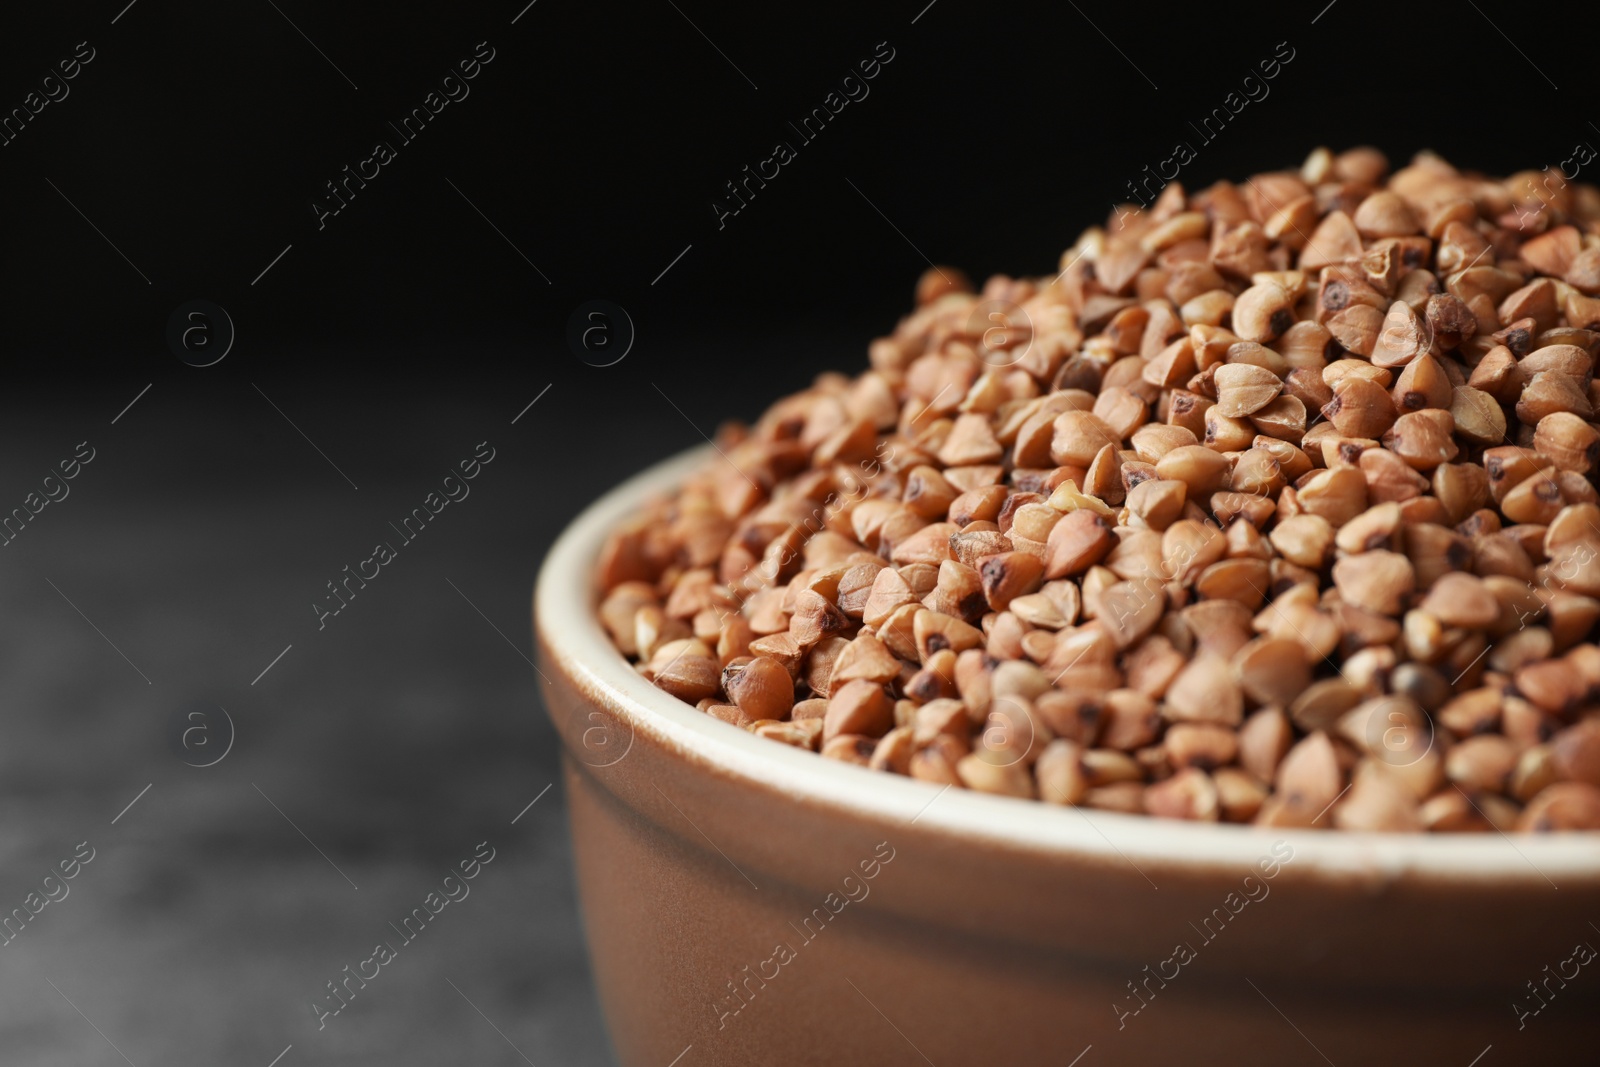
point(375, 754)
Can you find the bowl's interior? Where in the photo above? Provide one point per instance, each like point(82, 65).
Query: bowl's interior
point(564, 610)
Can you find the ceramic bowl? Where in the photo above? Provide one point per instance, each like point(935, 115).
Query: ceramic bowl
point(746, 902)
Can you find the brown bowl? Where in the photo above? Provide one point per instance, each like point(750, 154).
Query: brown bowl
point(746, 902)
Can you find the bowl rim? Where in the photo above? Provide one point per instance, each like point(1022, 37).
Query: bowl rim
point(567, 624)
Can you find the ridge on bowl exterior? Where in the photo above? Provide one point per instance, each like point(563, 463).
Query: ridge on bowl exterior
point(748, 902)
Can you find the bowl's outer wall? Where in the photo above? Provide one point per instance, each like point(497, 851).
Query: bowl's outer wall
point(696, 861)
point(691, 877)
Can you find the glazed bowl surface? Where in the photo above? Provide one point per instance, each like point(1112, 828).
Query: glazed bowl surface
point(748, 902)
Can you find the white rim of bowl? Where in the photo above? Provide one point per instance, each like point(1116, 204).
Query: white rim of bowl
point(565, 599)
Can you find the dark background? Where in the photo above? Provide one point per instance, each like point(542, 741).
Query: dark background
point(382, 348)
point(598, 138)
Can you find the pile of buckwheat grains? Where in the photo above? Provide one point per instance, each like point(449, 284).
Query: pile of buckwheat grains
point(1276, 505)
